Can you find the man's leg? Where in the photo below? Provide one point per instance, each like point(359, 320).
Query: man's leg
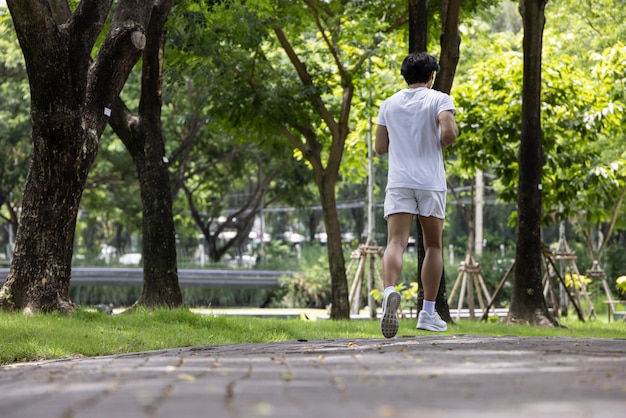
point(432, 269)
point(398, 229)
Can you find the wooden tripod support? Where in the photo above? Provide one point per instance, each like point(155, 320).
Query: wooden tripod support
point(567, 265)
point(551, 266)
point(471, 281)
point(548, 257)
point(360, 256)
point(596, 272)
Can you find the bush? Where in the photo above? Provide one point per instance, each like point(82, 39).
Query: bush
point(125, 296)
point(408, 291)
point(576, 280)
point(309, 288)
point(494, 266)
point(614, 262)
point(620, 283)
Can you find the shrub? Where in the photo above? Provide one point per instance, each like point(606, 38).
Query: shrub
point(576, 280)
point(309, 288)
point(620, 283)
point(408, 291)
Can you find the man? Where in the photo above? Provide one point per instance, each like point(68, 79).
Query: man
point(413, 127)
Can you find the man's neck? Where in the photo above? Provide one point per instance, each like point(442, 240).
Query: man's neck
point(418, 85)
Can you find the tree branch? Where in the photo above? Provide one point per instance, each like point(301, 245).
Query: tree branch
point(306, 80)
point(61, 10)
point(34, 25)
point(332, 46)
point(120, 51)
point(85, 25)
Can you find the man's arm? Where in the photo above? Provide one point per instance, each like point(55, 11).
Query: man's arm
point(382, 140)
point(449, 130)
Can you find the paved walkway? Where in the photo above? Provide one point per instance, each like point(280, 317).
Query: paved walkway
point(430, 376)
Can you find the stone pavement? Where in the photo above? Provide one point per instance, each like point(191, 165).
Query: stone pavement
point(410, 376)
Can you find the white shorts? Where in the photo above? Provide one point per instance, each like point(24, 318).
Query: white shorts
point(418, 202)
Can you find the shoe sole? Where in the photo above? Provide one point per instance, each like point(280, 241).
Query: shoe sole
point(432, 327)
point(389, 324)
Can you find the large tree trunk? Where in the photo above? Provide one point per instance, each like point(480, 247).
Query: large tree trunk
point(450, 41)
point(143, 137)
point(325, 176)
point(160, 271)
point(340, 305)
point(326, 181)
point(70, 98)
point(528, 304)
point(418, 25)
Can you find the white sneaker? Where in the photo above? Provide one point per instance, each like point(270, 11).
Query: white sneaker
point(389, 320)
point(431, 323)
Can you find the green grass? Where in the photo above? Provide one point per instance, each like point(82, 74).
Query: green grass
point(37, 337)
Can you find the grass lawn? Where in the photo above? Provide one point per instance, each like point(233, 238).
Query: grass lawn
point(85, 333)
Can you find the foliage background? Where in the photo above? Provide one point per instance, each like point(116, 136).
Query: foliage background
point(584, 58)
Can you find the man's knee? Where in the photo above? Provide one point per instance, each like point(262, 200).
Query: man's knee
point(433, 247)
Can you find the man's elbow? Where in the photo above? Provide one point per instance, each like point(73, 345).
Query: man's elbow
point(381, 140)
point(448, 138)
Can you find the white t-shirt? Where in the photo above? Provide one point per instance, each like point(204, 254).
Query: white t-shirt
point(415, 156)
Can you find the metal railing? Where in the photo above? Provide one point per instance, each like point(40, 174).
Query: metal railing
point(204, 278)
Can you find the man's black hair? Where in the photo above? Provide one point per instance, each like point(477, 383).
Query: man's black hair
point(417, 67)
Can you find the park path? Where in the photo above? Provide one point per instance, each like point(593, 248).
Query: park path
point(406, 376)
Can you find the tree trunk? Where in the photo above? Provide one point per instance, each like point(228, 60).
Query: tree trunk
point(450, 41)
point(70, 98)
point(527, 303)
point(143, 137)
point(325, 176)
point(160, 271)
point(340, 305)
point(418, 26)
